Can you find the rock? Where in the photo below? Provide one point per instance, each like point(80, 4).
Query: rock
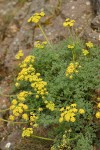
point(11, 141)
point(91, 35)
point(95, 24)
point(96, 6)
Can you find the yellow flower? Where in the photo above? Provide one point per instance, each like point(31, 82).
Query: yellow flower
point(67, 107)
point(25, 107)
point(37, 96)
point(61, 119)
point(16, 114)
point(72, 119)
point(98, 98)
point(70, 46)
point(89, 44)
point(62, 114)
point(74, 110)
point(50, 105)
point(68, 22)
point(85, 52)
point(81, 111)
point(36, 17)
point(25, 117)
point(62, 109)
point(73, 105)
point(27, 132)
point(42, 13)
point(67, 117)
point(98, 105)
point(12, 107)
point(17, 84)
point(14, 102)
point(11, 117)
point(98, 115)
point(40, 109)
point(19, 54)
point(71, 77)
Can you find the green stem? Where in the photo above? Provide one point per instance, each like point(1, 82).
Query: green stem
point(12, 121)
point(44, 35)
point(73, 54)
point(6, 95)
point(39, 137)
point(3, 110)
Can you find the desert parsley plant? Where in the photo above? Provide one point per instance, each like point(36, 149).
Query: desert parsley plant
point(56, 87)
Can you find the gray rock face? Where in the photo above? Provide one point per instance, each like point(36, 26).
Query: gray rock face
point(96, 6)
point(95, 24)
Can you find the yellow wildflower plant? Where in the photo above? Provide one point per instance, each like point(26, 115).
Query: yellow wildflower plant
point(89, 44)
point(19, 54)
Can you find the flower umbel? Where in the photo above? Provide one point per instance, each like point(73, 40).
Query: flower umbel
point(19, 54)
point(85, 52)
point(36, 17)
point(89, 44)
point(68, 22)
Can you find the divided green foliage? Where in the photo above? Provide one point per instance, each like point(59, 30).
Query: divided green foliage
point(52, 64)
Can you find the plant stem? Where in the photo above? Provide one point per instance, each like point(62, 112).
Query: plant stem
point(44, 35)
point(6, 95)
point(1, 110)
point(1, 119)
point(39, 137)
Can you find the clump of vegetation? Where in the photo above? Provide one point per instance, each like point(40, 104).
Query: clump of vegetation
point(55, 87)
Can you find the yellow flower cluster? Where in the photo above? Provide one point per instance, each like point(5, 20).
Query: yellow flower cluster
point(70, 46)
point(19, 54)
point(36, 17)
point(33, 119)
point(50, 105)
point(89, 44)
point(28, 74)
point(68, 23)
point(39, 44)
point(17, 84)
point(98, 106)
point(72, 68)
point(27, 132)
point(28, 60)
point(23, 95)
point(68, 114)
point(17, 109)
point(85, 52)
point(25, 117)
